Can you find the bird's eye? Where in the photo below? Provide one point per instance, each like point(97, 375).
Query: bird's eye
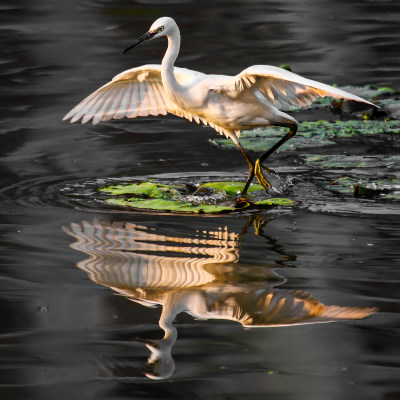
point(160, 29)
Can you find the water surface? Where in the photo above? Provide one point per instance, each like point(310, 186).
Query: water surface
point(66, 333)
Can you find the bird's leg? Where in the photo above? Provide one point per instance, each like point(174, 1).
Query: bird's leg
point(258, 167)
point(251, 168)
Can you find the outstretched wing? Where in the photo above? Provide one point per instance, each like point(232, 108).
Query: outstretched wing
point(137, 92)
point(283, 87)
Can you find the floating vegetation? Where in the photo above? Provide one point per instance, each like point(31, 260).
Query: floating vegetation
point(147, 189)
point(210, 197)
point(286, 66)
point(325, 133)
point(388, 188)
point(379, 96)
point(231, 188)
point(312, 134)
point(340, 161)
point(169, 205)
point(370, 92)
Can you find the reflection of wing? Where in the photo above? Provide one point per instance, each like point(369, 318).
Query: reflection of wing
point(277, 307)
point(137, 92)
point(154, 269)
point(282, 87)
point(128, 257)
point(190, 274)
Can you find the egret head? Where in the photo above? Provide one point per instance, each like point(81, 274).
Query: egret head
point(162, 27)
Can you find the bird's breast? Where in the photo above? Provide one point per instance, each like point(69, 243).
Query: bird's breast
point(232, 113)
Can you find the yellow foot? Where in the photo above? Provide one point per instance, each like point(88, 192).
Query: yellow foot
point(259, 223)
point(262, 180)
point(241, 202)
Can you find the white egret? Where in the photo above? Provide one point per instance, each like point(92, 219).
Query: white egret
point(228, 104)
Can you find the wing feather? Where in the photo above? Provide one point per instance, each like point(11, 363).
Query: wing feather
point(94, 106)
point(99, 115)
point(78, 108)
point(144, 101)
point(114, 98)
point(283, 87)
point(122, 109)
point(145, 104)
point(79, 112)
point(140, 92)
point(119, 94)
point(132, 93)
point(154, 109)
point(132, 112)
point(158, 89)
point(159, 99)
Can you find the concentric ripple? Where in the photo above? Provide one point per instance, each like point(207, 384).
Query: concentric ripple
point(310, 190)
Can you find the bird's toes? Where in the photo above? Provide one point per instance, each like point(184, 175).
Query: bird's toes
point(269, 170)
point(260, 177)
point(242, 202)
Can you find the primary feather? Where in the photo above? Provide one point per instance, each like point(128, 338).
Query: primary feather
point(137, 92)
point(283, 87)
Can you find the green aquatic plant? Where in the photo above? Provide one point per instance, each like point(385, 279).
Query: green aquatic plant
point(147, 189)
point(185, 199)
point(169, 205)
point(386, 189)
point(323, 133)
point(187, 207)
point(340, 161)
point(313, 134)
point(231, 188)
point(286, 66)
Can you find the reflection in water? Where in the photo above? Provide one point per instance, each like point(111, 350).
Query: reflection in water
point(199, 275)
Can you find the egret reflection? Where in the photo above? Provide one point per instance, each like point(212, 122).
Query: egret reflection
point(200, 275)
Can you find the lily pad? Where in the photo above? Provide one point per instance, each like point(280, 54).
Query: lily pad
point(148, 189)
point(231, 188)
point(276, 201)
point(173, 198)
point(169, 205)
point(312, 134)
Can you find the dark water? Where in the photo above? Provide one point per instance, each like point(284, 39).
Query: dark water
point(64, 332)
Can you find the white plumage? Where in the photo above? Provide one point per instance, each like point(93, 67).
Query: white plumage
point(228, 104)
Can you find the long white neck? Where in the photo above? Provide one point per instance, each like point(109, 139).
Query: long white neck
point(171, 86)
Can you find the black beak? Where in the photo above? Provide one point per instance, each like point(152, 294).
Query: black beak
point(147, 36)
